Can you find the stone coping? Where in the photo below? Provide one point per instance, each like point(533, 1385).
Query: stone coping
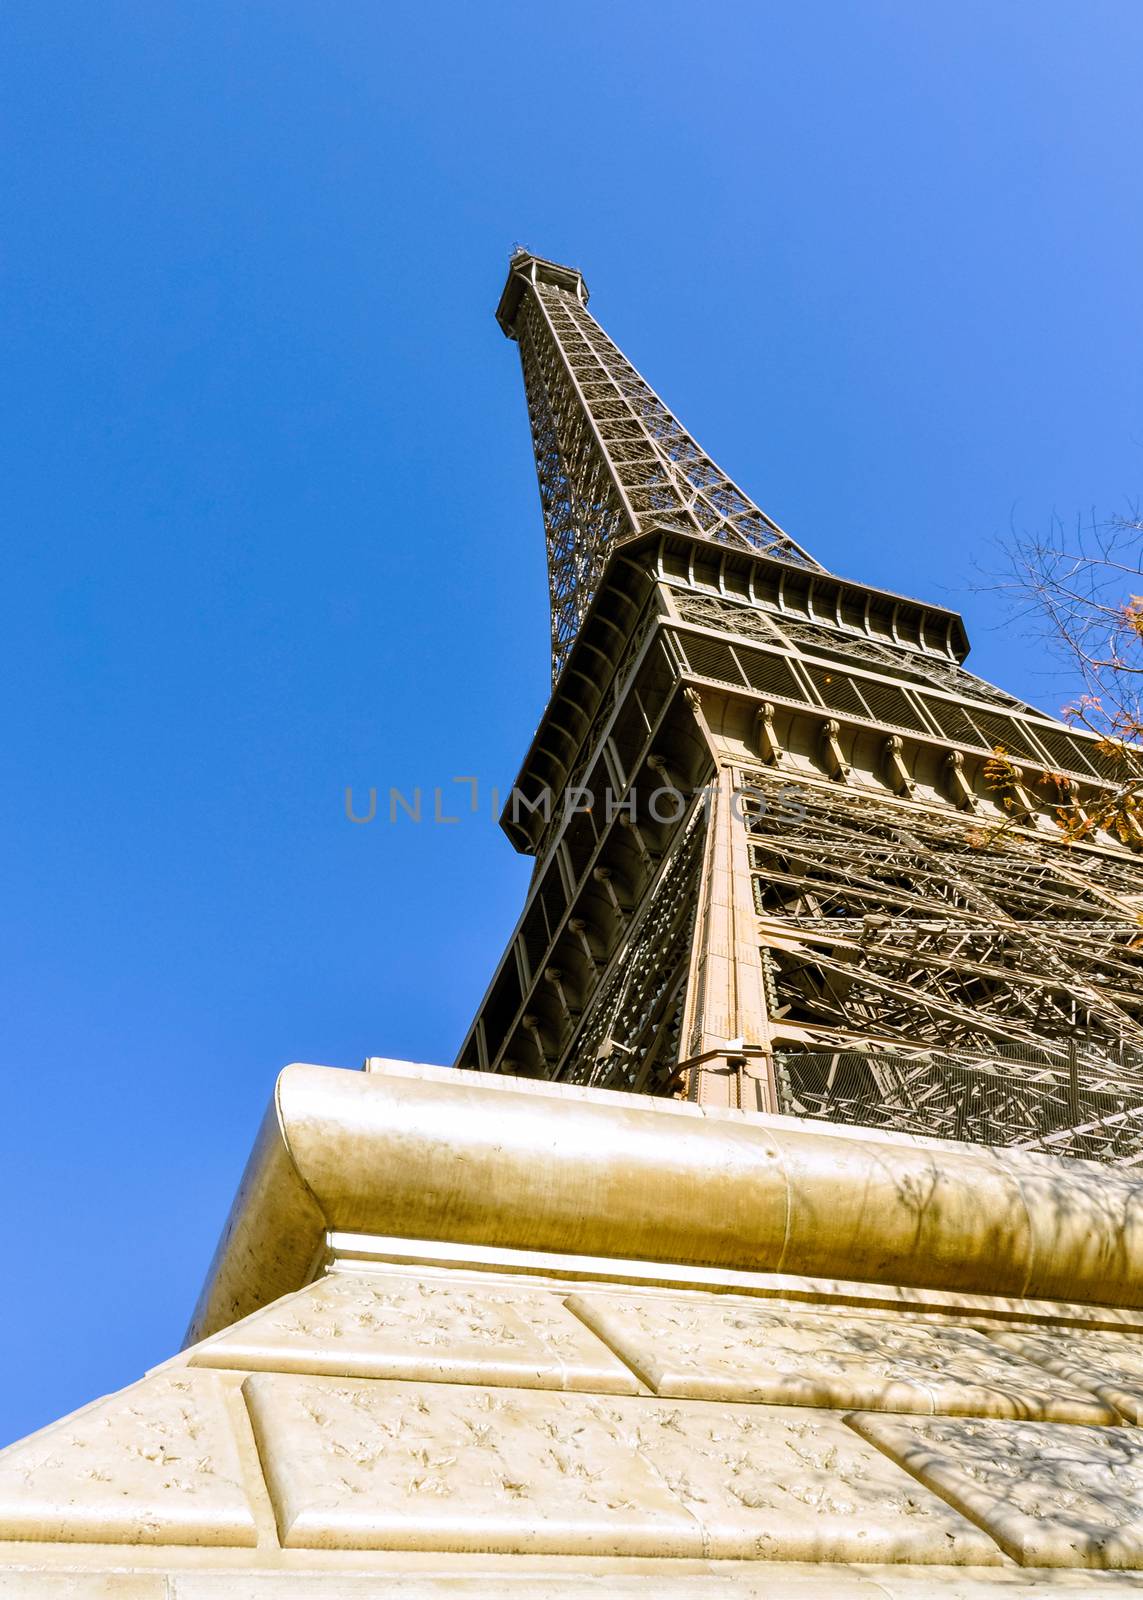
point(430, 1153)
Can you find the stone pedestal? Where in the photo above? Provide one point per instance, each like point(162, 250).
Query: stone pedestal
point(469, 1336)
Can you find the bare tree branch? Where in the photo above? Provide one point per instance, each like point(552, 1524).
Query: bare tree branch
point(1081, 593)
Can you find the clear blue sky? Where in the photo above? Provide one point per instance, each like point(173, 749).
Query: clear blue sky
point(270, 524)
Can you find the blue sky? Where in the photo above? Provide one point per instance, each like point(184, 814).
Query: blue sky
point(270, 524)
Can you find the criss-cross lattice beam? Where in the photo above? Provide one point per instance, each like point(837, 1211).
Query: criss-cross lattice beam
point(612, 461)
point(899, 927)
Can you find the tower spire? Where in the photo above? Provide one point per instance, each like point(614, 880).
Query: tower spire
point(612, 461)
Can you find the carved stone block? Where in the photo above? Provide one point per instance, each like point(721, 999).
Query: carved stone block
point(1050, 1496)
point(1110, 1365)
point(154, 1464)
point(715, 1348)
point(425, 1329)
point(379, 1465)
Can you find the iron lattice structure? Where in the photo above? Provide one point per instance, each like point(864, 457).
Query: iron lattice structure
point(903, 929)
point(774, 864)
point(611, 459)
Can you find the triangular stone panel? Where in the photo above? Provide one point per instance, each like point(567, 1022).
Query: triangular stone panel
point(154, 1464)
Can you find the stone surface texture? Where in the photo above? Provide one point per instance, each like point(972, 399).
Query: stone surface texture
point(351, 1325)
point(387, 1465)
point(156, 1464)
point(1109, 1365)
point(1050, 1496)
point(724, 1349)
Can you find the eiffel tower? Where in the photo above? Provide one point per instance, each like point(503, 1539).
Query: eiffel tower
point(790, 855)
point(546, 1326)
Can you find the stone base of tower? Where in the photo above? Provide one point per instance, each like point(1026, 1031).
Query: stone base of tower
point(472, 1336)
